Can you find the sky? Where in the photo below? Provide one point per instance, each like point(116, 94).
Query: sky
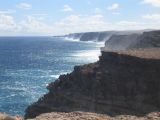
point(59, 17)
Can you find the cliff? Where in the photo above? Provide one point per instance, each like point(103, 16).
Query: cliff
point(91, 36)
point(148, 40)
point(131, 41)
point(121, 42)
point(120, 83)
point(99, 36)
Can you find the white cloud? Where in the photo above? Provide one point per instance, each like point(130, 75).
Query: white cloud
point(39, 16)
point(67, 8)
point(116, 13)
point(6, 20)
point(97, 10)
point(81, 23)
point(136, 25)
point(152, 16)
point(155, 3)
point(9, 11)
point(97, 22)
point(25, 6)
point(34, 25)
point(113, 6)
point(7, 24)
point(128, 23)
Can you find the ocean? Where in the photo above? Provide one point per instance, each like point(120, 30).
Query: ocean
point(28, 64)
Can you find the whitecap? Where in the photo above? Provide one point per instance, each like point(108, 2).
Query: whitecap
point(8, 96)
point(54, 76)
point(87, 53)
point(71, 39)
point(14, 88)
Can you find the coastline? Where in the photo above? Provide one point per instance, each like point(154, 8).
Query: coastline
point(123, 84)
point(26, 71)
point(80, 95)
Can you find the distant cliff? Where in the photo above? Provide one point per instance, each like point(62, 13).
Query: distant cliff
point(99, 36)
point(123, 82)
point(122, 42)
point(146, 40)
point(92, 36)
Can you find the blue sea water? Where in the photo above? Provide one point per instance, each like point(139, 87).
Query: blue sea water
point(28, 64)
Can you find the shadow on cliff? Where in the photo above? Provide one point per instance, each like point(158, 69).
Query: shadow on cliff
point(115, 85)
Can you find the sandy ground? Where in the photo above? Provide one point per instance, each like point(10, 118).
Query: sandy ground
point(93, 116)
point(7, 117)
point(152, 53)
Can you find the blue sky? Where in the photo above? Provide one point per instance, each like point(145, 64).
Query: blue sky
point(56, 17)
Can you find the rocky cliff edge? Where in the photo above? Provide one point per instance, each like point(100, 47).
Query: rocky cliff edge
point(120, 83)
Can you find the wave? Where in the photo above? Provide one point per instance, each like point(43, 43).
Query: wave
point(57, 75)
point(87, 56)
point(14, 88)
point(87, 53)
point(27, 73)
point(54, 76)
point(8, 96)
point(78, 40)
point(39, 73)
point(71, 39)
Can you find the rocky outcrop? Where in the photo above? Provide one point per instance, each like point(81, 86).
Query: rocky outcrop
point(119, 83)
point(146, 40)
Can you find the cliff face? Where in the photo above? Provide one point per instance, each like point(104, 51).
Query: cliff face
point(122, 42)
point(132, 41)
point(148, 40)
point(118, 83)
